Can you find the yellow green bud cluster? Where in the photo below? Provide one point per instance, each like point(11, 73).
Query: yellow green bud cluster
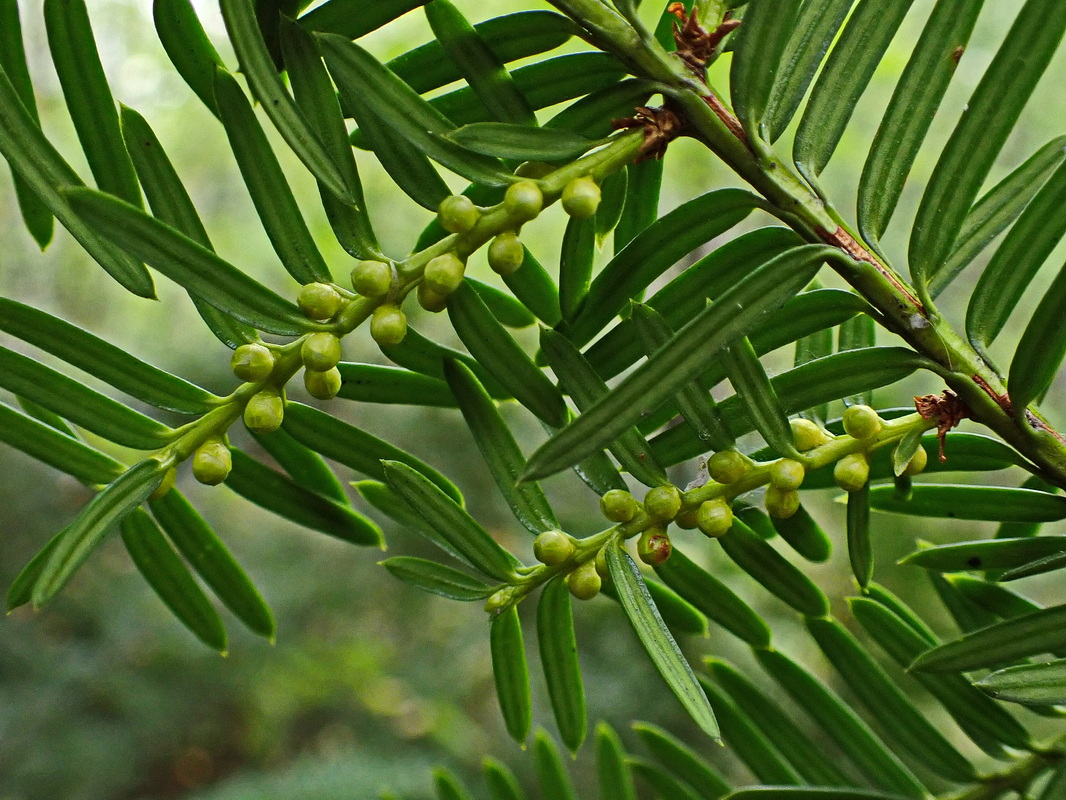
point(581, 198)
point(862, 422)
point(714, 518)
point(781, 503)
point(265, 410)
point(320, 301)
point(787, 474)
point(457, 214)
point(372, 278)
point(852, 472)
point(506, 253)
point(323, 385)
point(662, 503)
point(728, 466)
point(553, 548)
point(429, 299)
point(686, 519)
point(443, 274)
point(523, 201)
point(917, 463)
point(618, 505)
point(320, 353)
point(584, 582)
point(654, 546)
point(388, 324)
point(808, 435)
point(252, 362)
point(601, 564)
point(212, 462)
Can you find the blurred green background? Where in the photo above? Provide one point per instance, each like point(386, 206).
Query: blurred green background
point(103, 695)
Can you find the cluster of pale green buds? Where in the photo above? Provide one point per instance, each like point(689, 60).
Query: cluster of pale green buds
point(731, 474)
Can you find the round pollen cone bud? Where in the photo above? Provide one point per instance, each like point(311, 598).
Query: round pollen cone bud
point(728, 466)
point(584, 582)
point(165, 485)
point(781, 503)
point(619, 505)
point(861, 422)
point(500, 600)
point(917, 463)
point(852, 472)
point(714, 518)
point(654, 546)
point(212, 462)
point(319, 301)
point(687, 519)
point(321, 351)
point(808, 435)
point(535, 169)
point(662, 503)
point(430, 300)
point(552, 548)
point(443, 274)
point(323, 385)
point(506, 253)
point(601, 564)
point(581, 198)
point(457, 214)
point(252, 362)
point(372, 278)
point(388, 325)
point(787, 474)
point(523, 201)
point(265, 411)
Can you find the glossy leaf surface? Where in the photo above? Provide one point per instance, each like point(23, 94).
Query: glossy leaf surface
point(855, 739)
point(993, 503)
point(212, 561)
point(45, 172)
point(171, 580)
point(843, 79)
point(103, 360)
point(558, 656)
point(80, 404)
point(1040, 632)
point(454, 525)
point(402, 110)
point(657, 641)
point(652, 383)
point(990, 116)
point(910, 112)
point(500, 450)
point(93, 524)
point(579, 380)
point(653, 251)
point(511, 673)
point(189, 264)
point(352, 447)
point(713, 598)
point(439, 579)
point(1029, 684)
point(499, 354)
point(35, 214)
point(480, 67)
point(273, 491)
point(268, 89)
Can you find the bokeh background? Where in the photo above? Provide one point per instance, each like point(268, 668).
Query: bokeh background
point(104, 696)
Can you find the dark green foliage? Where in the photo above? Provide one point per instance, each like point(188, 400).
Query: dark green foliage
point(620, 383)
